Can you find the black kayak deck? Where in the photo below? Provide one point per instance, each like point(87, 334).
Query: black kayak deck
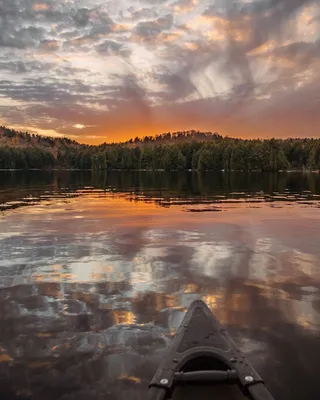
point(203, 360)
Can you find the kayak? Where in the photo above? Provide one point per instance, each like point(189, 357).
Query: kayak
point(203, 361)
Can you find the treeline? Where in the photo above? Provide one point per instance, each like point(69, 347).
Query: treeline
point(176, 137)
point(34, 139)
point(25, 158)
point(220, 154)
point(177, 151)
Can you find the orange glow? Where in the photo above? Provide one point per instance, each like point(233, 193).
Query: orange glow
point(191, 46)
point(303, 321)
point(171, 301)
point(274, 122)
point(123, 317)
point(40, 7)
point(212, 300)
point(185, 8)
point(238, 29)
point(121, 27)
point(44, 335)
point(199, 22)
point(5, 358)
point(133, 379)
point(264, 48)
point(307, 21)
point(214, 35)
point(190, 288)
point(164, 301)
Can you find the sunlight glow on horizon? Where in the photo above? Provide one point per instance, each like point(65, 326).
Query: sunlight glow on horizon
point(115, 71)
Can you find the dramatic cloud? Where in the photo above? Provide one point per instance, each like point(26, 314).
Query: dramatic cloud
point(150, 29)
point(127, 68)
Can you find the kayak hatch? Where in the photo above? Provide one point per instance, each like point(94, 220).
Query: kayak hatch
point(203, 361)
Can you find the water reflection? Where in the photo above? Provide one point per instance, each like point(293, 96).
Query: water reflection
point(97, 272)
point(166, 189)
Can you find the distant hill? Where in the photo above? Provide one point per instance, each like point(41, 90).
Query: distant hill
point(13, 138)
point(176, 137)
point(168, 151)
point(17, 139)
point(23, 150)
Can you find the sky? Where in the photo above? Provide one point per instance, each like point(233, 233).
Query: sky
point(101, 71)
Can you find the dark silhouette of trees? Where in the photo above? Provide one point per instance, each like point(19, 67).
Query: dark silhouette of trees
point(25, 158)
point(169, 151)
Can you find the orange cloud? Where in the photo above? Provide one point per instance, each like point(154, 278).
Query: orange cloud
point(169, 37)
point(40, 7)
point(264, 48)
point(191, 45)
point(199, 22)
point(220, 28)
point(50, 45)
point(214, 35)
point(185, 8)
point(122, 27)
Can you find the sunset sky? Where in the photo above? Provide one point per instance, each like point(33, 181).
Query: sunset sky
point(110, 70)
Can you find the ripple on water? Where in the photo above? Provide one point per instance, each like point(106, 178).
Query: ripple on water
point(104, 293)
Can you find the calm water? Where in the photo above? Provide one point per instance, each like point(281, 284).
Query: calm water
point(96, 272)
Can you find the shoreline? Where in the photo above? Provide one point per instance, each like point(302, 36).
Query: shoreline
point(155, 170)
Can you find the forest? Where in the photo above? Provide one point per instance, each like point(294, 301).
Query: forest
point(170, 151)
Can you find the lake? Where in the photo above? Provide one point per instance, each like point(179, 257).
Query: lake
point(97, 271)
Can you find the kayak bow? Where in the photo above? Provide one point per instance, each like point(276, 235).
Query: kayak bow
point(203, 360)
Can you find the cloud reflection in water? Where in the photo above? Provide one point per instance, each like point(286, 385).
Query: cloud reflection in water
point(95, 299)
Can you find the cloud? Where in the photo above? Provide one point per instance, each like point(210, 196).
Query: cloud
point(27, 11)
point(144, 13)
point(49, 45)
point(23, 22)
point(149, 30)
point(244, 28)
point(21, 38)
point(81, 17)
point(44, 90)
point(178, 85)
point(92, 26)
point(108, 47)
point(301, 53)
point(142, 67)
point(185, 6)
point(18, 67)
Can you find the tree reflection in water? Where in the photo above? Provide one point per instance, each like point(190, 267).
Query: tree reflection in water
point(96, 276)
